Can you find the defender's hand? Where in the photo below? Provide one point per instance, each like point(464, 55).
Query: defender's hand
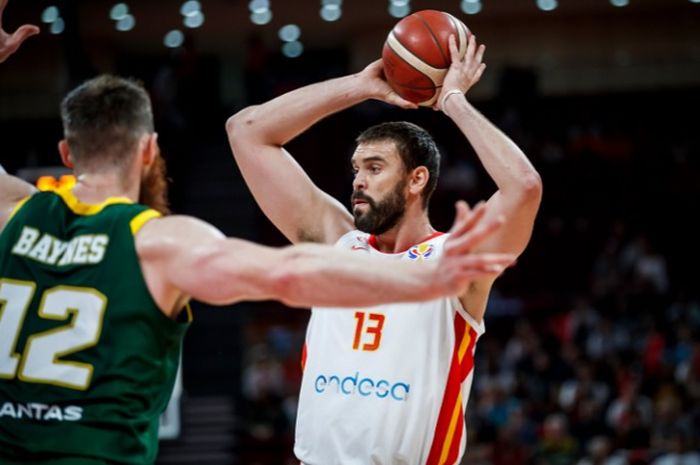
point(459, 265)
point(9, 43)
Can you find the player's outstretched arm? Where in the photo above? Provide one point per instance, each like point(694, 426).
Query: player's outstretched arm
point(9, 43)
point(183, 256)
point(519, 185)
point(12, 190)
point(257, 134)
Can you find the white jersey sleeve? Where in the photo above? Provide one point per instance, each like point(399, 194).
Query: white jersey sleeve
point(387, 385)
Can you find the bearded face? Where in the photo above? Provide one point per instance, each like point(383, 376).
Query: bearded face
point(379, 216)
point(154, 186)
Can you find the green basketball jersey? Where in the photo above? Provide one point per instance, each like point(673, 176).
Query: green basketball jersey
point(87, 360)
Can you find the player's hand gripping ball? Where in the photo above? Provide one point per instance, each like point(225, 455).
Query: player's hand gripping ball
point(416, 54)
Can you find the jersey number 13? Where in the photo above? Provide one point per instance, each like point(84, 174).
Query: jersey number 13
point(368, 331)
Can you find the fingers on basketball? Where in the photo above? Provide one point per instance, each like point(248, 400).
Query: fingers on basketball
point(417, 54)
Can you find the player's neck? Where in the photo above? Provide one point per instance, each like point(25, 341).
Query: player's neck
point(94, 188)
point(411, 229)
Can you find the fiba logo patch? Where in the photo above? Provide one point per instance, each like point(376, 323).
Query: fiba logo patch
point(421, 251)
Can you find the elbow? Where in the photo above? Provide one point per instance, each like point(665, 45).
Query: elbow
point(217, 273)
point(234, 121)
point(285, 287)
point(211, 280)
point(240, 126)
point(288, 281)
point(532, 188)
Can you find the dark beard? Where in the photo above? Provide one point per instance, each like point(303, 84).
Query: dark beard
point(154, 187)
point(381, 216)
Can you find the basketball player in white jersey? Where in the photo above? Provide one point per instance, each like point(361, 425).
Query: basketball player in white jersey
point(385, 385)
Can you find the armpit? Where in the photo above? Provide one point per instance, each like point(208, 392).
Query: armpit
point(308, 236)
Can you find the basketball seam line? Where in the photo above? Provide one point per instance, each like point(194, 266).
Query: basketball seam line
point(463, 34)
point(456, 27)
point(446, 61)
point(393, 42)
point(425, 72)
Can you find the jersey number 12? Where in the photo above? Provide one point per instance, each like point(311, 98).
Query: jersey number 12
point(41, 362)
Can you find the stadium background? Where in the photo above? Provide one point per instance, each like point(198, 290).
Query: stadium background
point(592, 348)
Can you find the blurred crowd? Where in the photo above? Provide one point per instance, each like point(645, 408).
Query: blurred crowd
point(613, 379)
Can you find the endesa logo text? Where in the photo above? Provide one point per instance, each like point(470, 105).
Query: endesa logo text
point(358, 385)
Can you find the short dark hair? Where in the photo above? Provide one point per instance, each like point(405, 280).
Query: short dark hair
point(415, 146)
point(104, 118)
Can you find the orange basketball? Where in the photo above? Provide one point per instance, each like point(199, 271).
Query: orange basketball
point(416, 54)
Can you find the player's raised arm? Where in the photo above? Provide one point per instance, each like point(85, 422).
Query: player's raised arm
point(182, 256)
point(12, 190)
point(299, 209)
point(519, 185)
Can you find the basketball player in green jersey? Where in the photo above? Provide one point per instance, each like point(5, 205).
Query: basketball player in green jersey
point(93, 282)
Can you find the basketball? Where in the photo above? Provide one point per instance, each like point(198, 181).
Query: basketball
point(416, 54)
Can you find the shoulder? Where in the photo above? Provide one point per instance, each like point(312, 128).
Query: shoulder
point(14, 189)
point(179, 225)
point(166, 234)
point(15, 204)
point(353, 240)
point(438, 239)
point(11, 208)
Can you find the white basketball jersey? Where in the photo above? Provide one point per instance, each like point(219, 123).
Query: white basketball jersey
point(387, 385)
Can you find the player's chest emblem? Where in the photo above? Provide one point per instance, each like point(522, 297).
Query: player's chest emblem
point(420, 251)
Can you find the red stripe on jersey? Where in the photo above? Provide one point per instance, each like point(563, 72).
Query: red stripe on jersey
point(304, 354)
point(467, 361)
point(450, 397)
point(456, 439)
point(450, 425)
point(466, 365)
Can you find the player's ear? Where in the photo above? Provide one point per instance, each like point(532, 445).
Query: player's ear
point(66, 156)
point(419, 178)
point(150, 148)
